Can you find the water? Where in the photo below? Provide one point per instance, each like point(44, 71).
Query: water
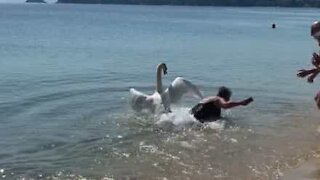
point(65, 72)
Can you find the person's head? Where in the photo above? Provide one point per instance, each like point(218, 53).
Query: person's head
point(315, 31)
point(224, 93)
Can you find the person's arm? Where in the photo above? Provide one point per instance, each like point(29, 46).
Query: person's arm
point(303, 72)
point(315, 60)
point(317, 99)
point(230, 104)
point(313, 76)
point(311, 73)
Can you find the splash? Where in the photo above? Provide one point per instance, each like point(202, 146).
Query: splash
point(180, 118)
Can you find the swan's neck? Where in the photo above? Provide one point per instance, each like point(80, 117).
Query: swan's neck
point(159, 80)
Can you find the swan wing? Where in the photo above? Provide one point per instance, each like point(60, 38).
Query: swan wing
point(180, 87)
point(139, 100)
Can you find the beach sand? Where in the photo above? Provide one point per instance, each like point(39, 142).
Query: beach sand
point(309, 170)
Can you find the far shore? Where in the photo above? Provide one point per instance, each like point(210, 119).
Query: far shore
point(218, 3)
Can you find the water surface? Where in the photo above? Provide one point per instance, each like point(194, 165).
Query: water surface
point(65, 72)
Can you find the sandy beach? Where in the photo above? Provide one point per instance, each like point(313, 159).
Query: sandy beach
point(309, 170)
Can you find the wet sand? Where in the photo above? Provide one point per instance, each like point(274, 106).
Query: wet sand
point(309, 170)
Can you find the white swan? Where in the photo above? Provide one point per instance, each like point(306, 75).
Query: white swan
point(179, 87)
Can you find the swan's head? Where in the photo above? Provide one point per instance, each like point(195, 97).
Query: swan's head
point(164, 68)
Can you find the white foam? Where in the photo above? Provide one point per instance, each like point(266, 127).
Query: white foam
point(186, 144)
point(216, 125)
point(179, 118)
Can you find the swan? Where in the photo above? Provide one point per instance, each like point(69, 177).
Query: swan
point(173, 94)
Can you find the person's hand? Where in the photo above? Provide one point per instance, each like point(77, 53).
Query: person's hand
point(303, 73)
point(247, 101)
point(315, 60)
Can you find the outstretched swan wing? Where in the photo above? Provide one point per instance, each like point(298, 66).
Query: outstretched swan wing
point(139, 100)
point(176, 90)
point(180, 87)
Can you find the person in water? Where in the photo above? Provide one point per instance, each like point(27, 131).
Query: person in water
point(209, 108)
point(315, 60)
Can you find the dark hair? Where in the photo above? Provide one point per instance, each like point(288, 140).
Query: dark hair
point(224, 92)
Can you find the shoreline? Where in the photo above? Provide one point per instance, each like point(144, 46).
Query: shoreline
point(303, 3)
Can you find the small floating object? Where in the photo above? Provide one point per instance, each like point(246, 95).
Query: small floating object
point(273, 26)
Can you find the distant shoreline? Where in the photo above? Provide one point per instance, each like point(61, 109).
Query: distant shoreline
point(213, 3)
point(35, 1)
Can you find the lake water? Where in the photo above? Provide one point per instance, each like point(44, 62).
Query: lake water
point(65, 72)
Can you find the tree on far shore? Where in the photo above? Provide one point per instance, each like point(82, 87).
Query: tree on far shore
point(281, 3)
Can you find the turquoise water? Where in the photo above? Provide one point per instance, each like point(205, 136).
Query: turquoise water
point(65, 72)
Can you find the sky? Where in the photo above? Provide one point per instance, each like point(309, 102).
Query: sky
point(22, 1)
